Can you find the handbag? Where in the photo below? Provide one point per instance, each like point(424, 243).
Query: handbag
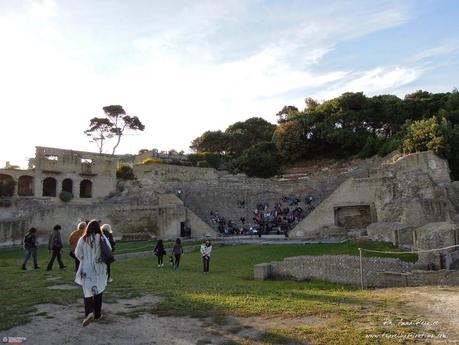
point(106, 254)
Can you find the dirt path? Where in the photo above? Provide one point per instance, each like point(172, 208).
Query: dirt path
point(123, 323)
point(437, 309)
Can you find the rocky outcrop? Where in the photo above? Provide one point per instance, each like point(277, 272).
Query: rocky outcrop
point(413, 190)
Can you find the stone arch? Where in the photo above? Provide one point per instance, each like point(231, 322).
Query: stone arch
point(49, 186)
point(7, 184)
point(86, 189)
point(25, 185)
point(67, 185)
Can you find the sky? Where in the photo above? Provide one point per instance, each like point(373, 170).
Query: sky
point(184, 67)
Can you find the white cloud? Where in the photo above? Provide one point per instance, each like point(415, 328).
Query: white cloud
point(442, 49)
point(203, 67)
point(42, 8)
point(376, 80)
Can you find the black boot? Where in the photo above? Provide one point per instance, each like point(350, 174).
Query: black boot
point(24, 268)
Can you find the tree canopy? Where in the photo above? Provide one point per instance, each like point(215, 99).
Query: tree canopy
point(345, 126)
point(113, 125)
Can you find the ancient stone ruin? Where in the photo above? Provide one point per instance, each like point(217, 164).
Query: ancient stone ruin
point(409, 201)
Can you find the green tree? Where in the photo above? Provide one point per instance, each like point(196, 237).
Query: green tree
point(113, 125)
point(289, 140)
point(260, 160)
point(288, 112)
point(211, 141)
point(243, 135)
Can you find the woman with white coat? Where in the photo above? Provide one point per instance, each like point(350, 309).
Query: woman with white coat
point(92, 272)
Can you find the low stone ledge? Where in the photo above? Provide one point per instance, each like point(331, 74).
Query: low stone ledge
point(262, 271)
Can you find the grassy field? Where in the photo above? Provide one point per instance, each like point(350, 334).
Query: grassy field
point(228, 291)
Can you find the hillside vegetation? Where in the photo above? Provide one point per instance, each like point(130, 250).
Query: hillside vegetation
point(346, 126)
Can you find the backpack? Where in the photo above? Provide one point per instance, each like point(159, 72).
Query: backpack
point(28, 240)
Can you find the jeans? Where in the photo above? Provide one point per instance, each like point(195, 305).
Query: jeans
point(206, 262)
point(31, 252)
point(56, 254)
point(160, 259)
point(93, 305)
point(177, 261)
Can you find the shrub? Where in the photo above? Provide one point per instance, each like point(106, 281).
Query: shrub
point(390, 145)
point(424, 135)
point(152, 160)
point(214, 160)
point(125, 172)
point(65, 196)
point(371, 147)
point(203, 164)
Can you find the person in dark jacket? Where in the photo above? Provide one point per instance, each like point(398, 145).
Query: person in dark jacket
point(160, 252)
point(55, 244)
point(30, 247)
point(177, 252)
point(73, 240)
point(108, 232)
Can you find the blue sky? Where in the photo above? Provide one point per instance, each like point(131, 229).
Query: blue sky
point(187, 66)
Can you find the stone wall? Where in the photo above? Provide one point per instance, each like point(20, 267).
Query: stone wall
point(161, 217)
point(345, 269)
point(167, 172)
point(342, 269)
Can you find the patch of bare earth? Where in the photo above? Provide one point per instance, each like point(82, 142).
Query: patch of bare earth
point(132, 321)
point(436, 308)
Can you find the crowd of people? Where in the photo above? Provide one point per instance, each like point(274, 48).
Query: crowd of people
point(89, 244)
point(280, 218)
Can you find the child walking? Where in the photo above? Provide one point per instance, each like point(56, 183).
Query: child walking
point(160, 252)
point(177, 251)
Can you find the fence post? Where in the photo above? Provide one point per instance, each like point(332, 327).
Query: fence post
point(361, 269)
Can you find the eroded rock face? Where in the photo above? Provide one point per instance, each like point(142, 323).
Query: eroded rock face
point(434, 236)
point(412, 198)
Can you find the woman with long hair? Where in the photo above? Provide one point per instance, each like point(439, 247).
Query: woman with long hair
point(92, 272)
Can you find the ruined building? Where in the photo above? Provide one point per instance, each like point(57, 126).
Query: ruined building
point(86, 175)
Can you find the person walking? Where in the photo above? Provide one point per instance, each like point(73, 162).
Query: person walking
point(73, 240)
point(30, 247)
point(92, 272)
point(177, 252)
point(160, 252)
point(206, 249)
point(55, 244)
point(108, 233)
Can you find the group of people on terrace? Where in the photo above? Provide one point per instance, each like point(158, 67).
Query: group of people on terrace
point(281, 218)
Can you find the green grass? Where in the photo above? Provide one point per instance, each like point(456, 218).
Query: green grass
point(229, 290)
